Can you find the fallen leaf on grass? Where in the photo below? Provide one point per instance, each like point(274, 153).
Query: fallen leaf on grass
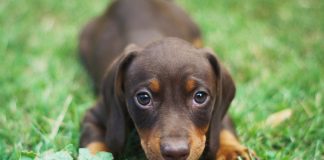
point(277, 118)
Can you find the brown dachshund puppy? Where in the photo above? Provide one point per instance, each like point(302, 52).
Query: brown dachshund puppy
point(172, 91)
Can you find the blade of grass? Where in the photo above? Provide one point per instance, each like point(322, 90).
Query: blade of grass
point(60, 118)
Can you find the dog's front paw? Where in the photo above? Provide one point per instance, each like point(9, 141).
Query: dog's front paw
point(235, 152)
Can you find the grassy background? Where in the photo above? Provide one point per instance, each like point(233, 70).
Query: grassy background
point(274, 49)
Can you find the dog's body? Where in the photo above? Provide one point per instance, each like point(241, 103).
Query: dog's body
point(131, 22)
point(173, 92)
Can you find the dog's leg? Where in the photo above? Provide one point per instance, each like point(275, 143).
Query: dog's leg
point(93, 131)
point(230, 148)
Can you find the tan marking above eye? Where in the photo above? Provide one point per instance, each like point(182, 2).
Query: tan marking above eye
point(198, 43)
point(190, 85)
point(155, 85)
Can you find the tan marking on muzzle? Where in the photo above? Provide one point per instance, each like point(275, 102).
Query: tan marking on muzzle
point(197, 142)
point(150, 142)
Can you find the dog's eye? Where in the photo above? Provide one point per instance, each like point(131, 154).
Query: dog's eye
point(143, 98)
point(200, 97)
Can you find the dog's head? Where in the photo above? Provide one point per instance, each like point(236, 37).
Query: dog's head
point(174, 94)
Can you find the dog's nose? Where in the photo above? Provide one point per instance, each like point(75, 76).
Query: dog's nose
point(173, 149)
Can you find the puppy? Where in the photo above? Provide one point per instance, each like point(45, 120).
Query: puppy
point(173, 92)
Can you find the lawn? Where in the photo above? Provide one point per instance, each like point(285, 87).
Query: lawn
point(274, 50)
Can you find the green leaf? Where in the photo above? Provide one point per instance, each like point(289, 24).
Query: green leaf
point(61, 155)
point(84, 154)
point(27, 155)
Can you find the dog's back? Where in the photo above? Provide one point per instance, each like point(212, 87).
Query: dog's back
point(131, 21)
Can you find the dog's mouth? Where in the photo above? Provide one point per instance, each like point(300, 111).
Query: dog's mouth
point(173, 148)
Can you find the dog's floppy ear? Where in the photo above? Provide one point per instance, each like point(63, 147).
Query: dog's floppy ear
point(225, 93)
point(114, 100)
point(224, 84)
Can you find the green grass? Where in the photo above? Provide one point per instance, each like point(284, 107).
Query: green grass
point(274, 49)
